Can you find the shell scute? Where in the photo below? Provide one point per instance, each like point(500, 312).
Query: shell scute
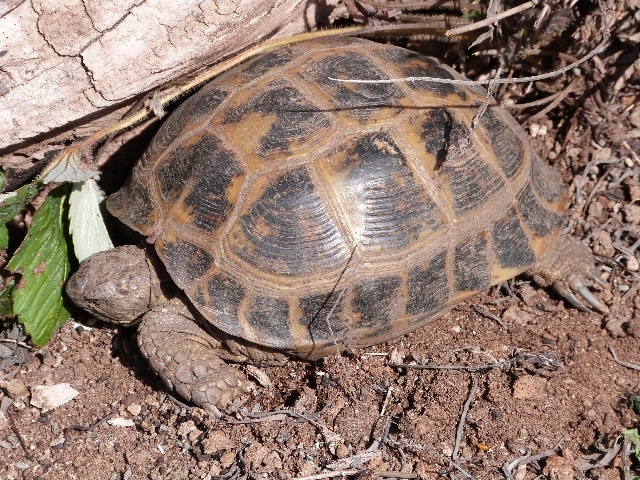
point(276, 121)
point(512, 246)
point(288, 229)
point(321, 314)
point(546, 182)
point(361, 101)
point(376, 301)
point(411, 64)
point(223, 305)
point(268, 319)
point(535, 216)
point(384, 201)
point(428, 286)
point(205, 176)
point(471, 181)
point(471, 268)
point(508, 147)
point(184, 261)
point(133, 204)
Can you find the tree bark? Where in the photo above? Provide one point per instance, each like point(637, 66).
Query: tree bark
point(71, 66)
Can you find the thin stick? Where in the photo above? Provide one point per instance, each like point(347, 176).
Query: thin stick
point(390, 474)
point(463, 417)
point(338, 473)
point(460, 469)
point(601, 46)
point(509, 466)
point(472, 368)
point(491, 316)
point(493, 19)
point(386, 402)
point(556, 101)
point(632, 366)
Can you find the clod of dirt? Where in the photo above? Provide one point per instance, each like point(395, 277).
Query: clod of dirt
point(529, 388)
point(217, 441)
point(16, 388)
point(631, 213)
point(559, 468)
point(514, 315)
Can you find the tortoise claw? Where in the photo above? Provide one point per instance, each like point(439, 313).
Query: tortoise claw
point(561, 288)
point(577, 284)
point(568, 267)
point(597, 278)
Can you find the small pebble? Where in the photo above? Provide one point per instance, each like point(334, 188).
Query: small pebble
point(16, 388)
point(134, 409)
point(121, 422)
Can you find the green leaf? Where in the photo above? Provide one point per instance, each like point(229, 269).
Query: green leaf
point(87, 227)
point(11, 203)
point(634, 436)
point(4, 237)
point(1, 178)
point(5, 300)
point(42, 260)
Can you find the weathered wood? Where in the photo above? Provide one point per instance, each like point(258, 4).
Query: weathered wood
point(69, 64)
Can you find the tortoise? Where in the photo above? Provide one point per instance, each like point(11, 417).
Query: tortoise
point(299, 216)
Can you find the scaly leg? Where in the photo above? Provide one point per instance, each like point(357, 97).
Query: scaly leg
point(188, 359)
point(566, 267)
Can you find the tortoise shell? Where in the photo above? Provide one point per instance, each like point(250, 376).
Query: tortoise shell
point(300, 213)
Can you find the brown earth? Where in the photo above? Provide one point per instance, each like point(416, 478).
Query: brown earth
point(357, 411)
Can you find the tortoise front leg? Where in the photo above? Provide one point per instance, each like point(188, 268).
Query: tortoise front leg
point(566, 267)
point(188, 359)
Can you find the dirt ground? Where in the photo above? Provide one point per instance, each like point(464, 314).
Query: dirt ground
point(546, 381)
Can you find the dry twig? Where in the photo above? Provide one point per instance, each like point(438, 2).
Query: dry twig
point(493, 19)
point(632, 366)
point(463, 417)
point(508, 467)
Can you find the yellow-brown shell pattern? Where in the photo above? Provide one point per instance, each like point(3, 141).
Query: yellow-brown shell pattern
point(306, 214)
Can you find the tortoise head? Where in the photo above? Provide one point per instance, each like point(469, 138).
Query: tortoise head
point(114, 285)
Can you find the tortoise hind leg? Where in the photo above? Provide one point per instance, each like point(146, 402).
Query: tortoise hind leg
point(566, 267)
point(188, 359)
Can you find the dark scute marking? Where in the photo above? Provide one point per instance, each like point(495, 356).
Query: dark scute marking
point(506, 144)
point(415, 65)
point(546, 181)
point(185, 262)
point(511, 243)
point(441, 131)
point(471, 180)
point(270, 318)
point(396, 206)
point(225, 295)
point(199, 298)
point(375, 301)
point(202, 104)
point(470, 266)
point(175, 172)
point(132, 204)
point(322, 315)
point(261, 65)
point(428, 290)
point(289, 230)
point(535, 216)
point(168, 132)
point(296, 118)
point(362, 98)
point(216, 168)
